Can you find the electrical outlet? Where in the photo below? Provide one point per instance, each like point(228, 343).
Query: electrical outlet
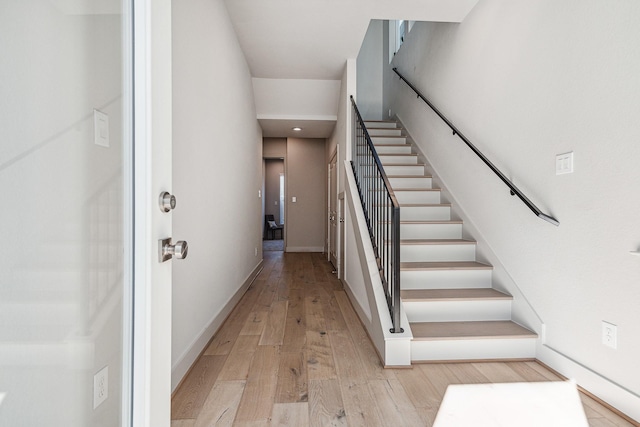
point(609, 334)
point(255, 251)
point(100, 387)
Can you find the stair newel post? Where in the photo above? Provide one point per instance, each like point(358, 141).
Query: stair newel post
point(395, 262)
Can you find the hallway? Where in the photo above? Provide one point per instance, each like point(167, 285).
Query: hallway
point(294, 353)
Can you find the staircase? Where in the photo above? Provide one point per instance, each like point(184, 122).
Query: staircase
point(453, 311)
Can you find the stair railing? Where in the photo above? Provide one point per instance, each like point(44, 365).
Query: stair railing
point(381, 211)
point(512, 188)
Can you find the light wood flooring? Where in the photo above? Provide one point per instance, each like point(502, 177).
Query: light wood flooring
point(294, 353)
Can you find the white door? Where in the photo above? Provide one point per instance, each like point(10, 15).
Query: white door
point(70, 195)
point(333, 211)
point(65, 171)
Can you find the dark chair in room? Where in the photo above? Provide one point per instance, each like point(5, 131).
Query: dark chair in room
point(270, 227)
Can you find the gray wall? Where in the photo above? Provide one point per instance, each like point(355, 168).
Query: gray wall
point(370, 64)
point(217, 153)
point(306, 179)
point(526, 81)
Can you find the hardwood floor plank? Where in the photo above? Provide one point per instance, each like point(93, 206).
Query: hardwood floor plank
point(183, 423)
point(196, 387)
point(348, 365)
point(393, 403)
point(549, 375)
point(467, 373)
point(295, 336)
point(273, 332)
point(290, 414)
point(420, 391)
point(498, 372)
point(260, 389)
point(314, 313)
point(325, 404)
point(595, 410)
point(527, 372)
point(319, 356)
point(360, 407)
point(439, 376)
point(366, 351)
point(223, 340)
point(255, 323)
point(221, 405)
point(334, 320)
point(237, 364)
point(292, 379)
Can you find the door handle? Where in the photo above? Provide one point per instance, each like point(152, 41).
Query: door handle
point(166, 250)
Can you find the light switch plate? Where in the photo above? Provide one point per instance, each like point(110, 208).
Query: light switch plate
point(564, 163)
point(100, 128)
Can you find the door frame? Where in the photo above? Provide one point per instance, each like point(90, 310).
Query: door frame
point(335, 185)
point(152, 151)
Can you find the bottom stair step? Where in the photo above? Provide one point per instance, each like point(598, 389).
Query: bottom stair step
point(483, 340)
point(472, 330)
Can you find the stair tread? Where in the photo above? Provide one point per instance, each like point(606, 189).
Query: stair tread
point(444, 265)
point(417, 189)
point(402, 164)
point(406, 144)
point(472, 330)
point(471, 294)
point(409, 176)
point(398, 154)
point(437, 242)
point(452, 221)
point(423, 205)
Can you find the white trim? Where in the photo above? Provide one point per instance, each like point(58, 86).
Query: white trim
point(626, 401)
point(190, 355)
point(313, 117)
point(305, 249)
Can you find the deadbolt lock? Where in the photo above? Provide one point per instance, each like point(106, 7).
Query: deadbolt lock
point(167, 201)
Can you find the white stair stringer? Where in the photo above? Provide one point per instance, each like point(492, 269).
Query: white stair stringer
point(447, 296)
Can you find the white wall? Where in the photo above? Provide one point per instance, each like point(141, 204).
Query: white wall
point(217, 154)
point(526, 81)
point(304, 99)
point(369, 73)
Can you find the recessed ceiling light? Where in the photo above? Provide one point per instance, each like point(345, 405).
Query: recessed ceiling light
point(297, 129)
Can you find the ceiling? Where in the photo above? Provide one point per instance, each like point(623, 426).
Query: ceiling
point(312, 39)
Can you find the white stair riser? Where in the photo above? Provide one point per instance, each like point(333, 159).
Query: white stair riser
point(430, 231)
point(394, 149)
point(457, 311)
point(445, 279)
point(475, 349)
point(380, 124)
point(425, 197)
point(415, 170)
point(405, 160)
point(425, 213)
point(437, 253)
point(388, 140)
point(384, 132)
point(417, 182)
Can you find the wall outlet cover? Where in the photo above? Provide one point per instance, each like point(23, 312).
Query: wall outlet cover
point(100, 387)
point(609, 334)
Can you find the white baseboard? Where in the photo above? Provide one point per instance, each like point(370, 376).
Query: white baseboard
point(304, 249)
point(619, 397)
point(188, 358)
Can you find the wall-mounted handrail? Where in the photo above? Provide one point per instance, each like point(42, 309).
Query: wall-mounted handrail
point(515, 191)
point(381, 212)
